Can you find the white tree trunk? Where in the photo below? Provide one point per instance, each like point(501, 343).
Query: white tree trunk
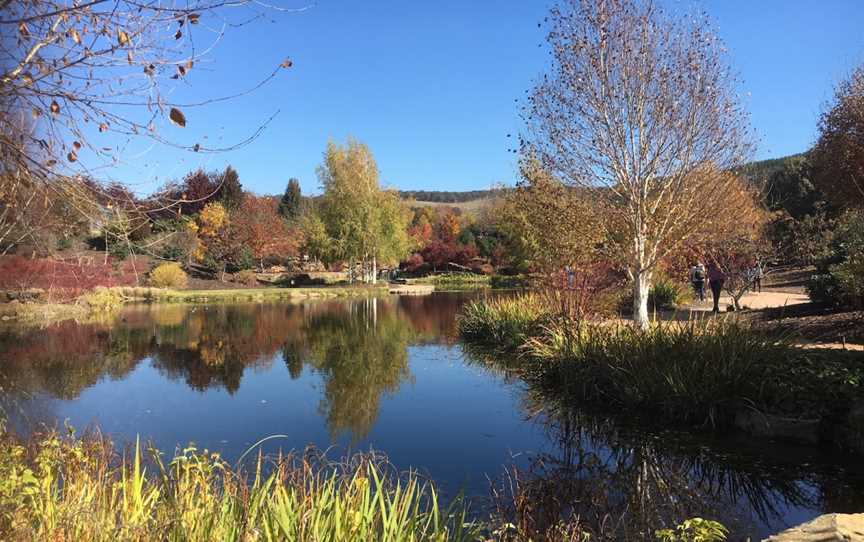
point(641, 287)
point(374, 270)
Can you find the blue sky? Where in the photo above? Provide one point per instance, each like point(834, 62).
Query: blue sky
point(432, 87)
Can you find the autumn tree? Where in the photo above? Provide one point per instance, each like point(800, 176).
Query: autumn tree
point(736, 245)
point(365, 223)
point(80, 82)
point(216, 244)
point(551, 225)
point(292, 200)
point(838, 157)
point(448, 227)
point(259, 228)
point(317, 243)
point(639, 109)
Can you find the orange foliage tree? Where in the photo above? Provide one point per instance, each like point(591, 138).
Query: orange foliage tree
point(259, 227)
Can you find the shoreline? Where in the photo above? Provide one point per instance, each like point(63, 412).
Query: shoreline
point(83, 308)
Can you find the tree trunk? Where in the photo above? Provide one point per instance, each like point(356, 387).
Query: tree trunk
point(374, 270)
point(641, 287)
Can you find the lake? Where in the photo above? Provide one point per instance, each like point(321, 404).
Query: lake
point(389, 374)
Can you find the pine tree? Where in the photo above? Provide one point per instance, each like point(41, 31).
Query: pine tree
point(230, 189)
point(289, 206)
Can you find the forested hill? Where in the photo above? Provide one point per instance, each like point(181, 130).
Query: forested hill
point(436, 196)
point(757, 171)
point(762, 170)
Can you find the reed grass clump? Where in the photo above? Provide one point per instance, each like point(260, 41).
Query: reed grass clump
point(502, 323)
point(56, 488)
point(701, 371)
point(694, 372)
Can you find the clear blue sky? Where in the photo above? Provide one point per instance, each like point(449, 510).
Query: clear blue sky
point(431, 87)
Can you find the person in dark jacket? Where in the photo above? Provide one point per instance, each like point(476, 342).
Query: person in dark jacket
point(716, 279)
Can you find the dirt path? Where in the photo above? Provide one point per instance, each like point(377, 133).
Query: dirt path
point(793, 299)
point(763, 300)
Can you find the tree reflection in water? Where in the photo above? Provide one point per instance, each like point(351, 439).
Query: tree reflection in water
point(620, 481)
point(357, 347)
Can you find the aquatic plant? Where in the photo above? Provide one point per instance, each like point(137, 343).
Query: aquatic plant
point(502, 323)
point(696, 372)
point(56, 488)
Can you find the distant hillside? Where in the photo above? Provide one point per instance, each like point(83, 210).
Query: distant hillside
point(437, 196)
point(758, 171)
point(761, 170)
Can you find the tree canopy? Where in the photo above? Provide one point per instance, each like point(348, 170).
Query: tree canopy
point(639, 109)
point(367, 224)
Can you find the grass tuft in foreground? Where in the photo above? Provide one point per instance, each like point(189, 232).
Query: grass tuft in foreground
point(57, 488)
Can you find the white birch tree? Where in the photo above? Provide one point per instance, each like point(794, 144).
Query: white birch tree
point(640, 109)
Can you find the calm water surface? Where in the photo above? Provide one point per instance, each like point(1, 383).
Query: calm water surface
point(389, 374)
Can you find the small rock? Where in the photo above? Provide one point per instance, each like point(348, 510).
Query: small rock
point(827, 528)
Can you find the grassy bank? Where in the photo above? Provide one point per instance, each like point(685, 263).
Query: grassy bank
point(95, 305)
point(102, 302)
point(263, 294)
point(56, 488)
point(702, 371)
point(470, 281)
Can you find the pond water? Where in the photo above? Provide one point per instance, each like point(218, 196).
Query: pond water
point(390, 374)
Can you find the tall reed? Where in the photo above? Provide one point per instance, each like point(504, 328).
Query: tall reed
point(701, 371)
point(55, 488)
point(502, 323)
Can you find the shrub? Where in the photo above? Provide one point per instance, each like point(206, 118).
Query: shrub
point(64, 243)
point(102, 299)
point(245, 260)
point(840, 277)
point(247, 277)
point(172, 252)
point(168, 275)
point(509, 282)
point(665, 294)
point(65, 278)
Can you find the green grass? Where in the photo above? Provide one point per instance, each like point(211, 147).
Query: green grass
point(264, 294)
point(702, 371)
point(54, 488)
point(503, 323)
point(455, 281)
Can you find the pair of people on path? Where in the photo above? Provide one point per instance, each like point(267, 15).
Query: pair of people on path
point(715, 277)
point(754, 276)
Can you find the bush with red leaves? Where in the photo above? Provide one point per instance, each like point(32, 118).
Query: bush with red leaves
point(67, 278)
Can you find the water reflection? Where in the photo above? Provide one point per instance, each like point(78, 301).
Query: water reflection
point(389, 374)
point(623, 480)
point(359, 349)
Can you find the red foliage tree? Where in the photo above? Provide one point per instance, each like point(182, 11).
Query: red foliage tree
point(259, 227)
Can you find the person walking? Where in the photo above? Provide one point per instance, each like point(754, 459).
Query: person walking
point(697, 280)
point(716, 279)
point(758, 272)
